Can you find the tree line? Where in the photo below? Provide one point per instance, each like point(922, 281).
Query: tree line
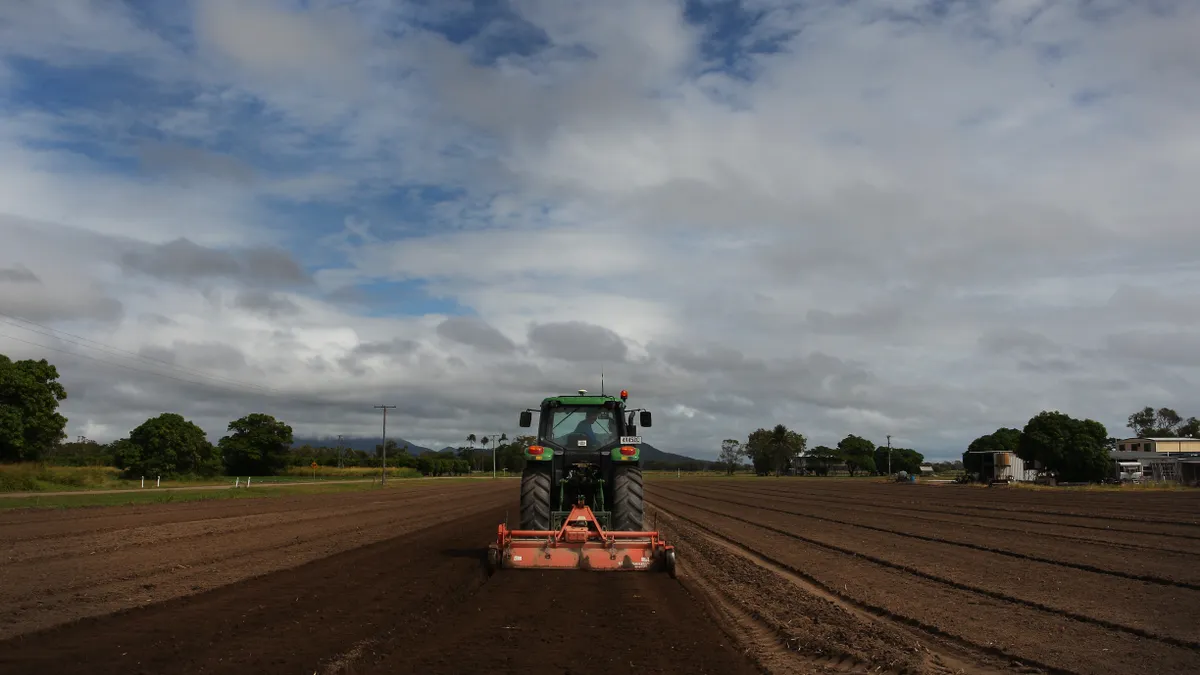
point(781, 450)
point(32, 429)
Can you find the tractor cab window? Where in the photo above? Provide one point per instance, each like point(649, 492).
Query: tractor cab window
point(597, 425)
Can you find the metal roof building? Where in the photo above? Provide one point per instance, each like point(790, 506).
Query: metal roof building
point(1150, 444)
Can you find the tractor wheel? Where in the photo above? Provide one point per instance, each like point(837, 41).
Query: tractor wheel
point(628, 505)
point(535, 497)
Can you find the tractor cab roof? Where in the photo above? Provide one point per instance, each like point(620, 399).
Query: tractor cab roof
point(554, 401)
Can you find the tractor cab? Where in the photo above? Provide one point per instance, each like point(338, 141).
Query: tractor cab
point(585, 426)
point(587, 452)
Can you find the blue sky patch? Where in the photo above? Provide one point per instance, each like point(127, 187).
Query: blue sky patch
point(404, 298)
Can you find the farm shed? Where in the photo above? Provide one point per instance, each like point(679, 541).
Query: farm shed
point(1005, 466)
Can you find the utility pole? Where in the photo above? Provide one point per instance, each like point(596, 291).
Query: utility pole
point(339, 451)
point(383, 480)
point(889, 455)
point(495, 441)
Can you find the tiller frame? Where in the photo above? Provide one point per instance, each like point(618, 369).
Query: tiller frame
point(581, 543)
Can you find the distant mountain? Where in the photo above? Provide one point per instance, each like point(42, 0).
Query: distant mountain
point(653, 454)
point(362, 443)
point(367, 444)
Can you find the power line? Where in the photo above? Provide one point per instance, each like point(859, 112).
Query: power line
point(109, 363)
point(235, 389)
point(110, 348)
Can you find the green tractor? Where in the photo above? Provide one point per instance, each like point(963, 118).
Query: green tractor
point(587, 452)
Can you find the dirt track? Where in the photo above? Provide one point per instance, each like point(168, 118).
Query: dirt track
point(804, 575)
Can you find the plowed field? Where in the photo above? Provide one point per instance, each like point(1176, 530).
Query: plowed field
point(778, 575)
point(860, 575)
point(380, 581)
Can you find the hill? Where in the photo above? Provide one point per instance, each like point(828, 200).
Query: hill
point(368, 443)
point(653, 454)
point(362, 443)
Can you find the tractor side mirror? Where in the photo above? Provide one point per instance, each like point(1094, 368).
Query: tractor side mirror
point(526, 418)
point(646, 418)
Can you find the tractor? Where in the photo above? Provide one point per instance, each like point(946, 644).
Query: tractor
point(581, 491)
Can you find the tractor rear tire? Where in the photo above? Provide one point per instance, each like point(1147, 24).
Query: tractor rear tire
point(628, 503)
point(535, 497)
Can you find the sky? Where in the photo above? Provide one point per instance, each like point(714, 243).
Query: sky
point(919, 218)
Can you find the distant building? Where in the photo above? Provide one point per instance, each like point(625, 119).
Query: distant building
point(1143, 444)
point(1161, 466)
point(926, 469)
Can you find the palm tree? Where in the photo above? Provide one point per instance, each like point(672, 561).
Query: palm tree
point(471, 440)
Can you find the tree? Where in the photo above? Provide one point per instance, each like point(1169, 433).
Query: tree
point(822, 458)
point(1074, 449)
point(258, 445)
point(1190, 428)
point(1004, 439)
point(903, 459)
point(1163, 423)
point(758, 449)
point(787, 445)
point(30, 424)
point(731, 455)
point(167, 445)
point(859, 454)
point(774, 449)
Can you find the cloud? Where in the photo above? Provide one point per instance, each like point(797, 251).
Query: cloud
point(922, 219)
point(182, 260)
point(183, 161)
point(18, 275)
point(271, 304)
point(264, 39)
point(577, 341)
point(476, 333)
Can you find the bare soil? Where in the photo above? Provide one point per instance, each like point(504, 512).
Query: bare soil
point(776, 575)
point(384, 581)
point(957, 597)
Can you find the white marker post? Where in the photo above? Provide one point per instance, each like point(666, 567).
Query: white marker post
point(143, 481)
point(237, 482)
point(247, 481)
point(158, 483)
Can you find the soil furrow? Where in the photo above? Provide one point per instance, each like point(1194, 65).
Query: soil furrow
point(1015, 629)
point(1148, 525)
point(116, 539)
point(942, 567)
point(39, 595)
point(808, 623)
point(1172, 571)
point(37, 524)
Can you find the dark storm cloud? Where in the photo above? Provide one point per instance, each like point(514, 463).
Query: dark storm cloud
point(577, 341)
point(206, 356)
point(476, 333)
point(394, 350)
point(1006, 340)
point(267, 303)
point(37, 303)
point(18, 275)
point(863, 322)
point(1176, 349)
point(182, 260)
